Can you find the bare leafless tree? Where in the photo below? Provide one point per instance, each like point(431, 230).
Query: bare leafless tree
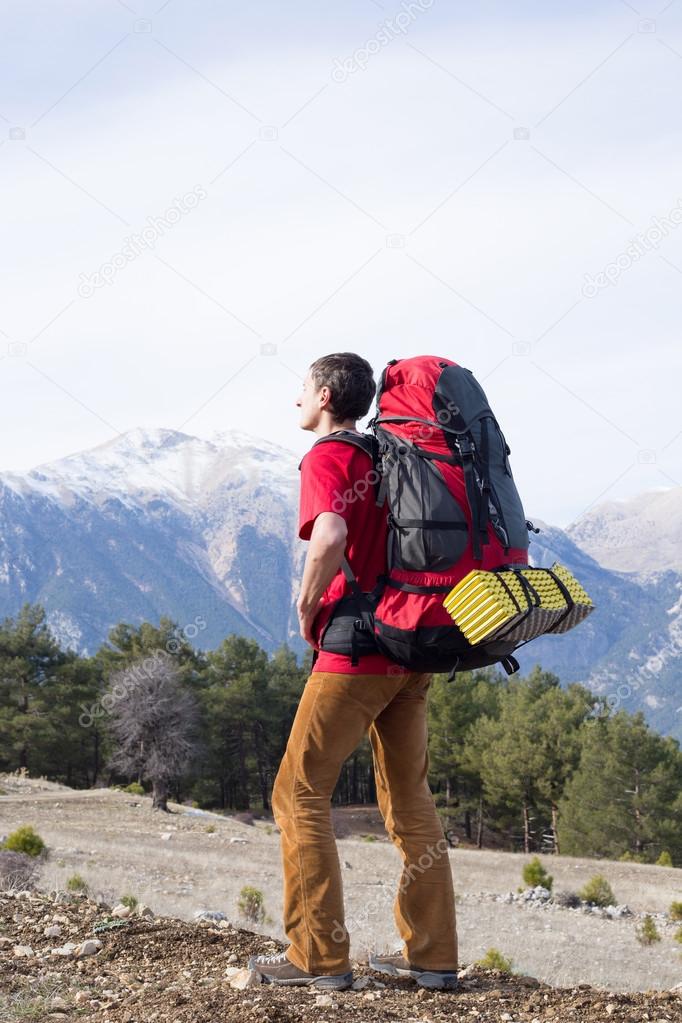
point(154, 723)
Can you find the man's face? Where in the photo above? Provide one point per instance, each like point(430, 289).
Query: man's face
point(309, 402)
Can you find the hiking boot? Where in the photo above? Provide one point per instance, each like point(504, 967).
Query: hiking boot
point(396, 965)
point(277, 969)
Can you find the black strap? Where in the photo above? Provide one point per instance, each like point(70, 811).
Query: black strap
point(570, 603)
point(350, 576)
point(483, 509)
point(425, 523)
point(415, 419)
point(473, 495)
point(397, 584)
point(509, 663)
point(433, 456)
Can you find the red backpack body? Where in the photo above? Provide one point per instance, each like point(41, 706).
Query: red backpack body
point(441, 465)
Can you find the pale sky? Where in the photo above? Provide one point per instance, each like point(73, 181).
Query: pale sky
point(388, 178)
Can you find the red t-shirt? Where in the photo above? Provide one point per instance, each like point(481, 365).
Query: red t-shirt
point(338, 477)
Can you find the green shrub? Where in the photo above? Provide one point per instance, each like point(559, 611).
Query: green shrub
point(647, 933)
point(494, 960)
point(25, 840)
point(598, 892)
point(677, 936)
point(629, 857)
point(76, 883)
point(675, 911)
point(135, 789)
point(534, 874)
point(209, 829)
point(251, 904)
point(128, 900)
point(3, 792)
point(665, 859)
point(369, 838)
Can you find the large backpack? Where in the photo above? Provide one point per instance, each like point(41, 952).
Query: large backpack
point(440, 464)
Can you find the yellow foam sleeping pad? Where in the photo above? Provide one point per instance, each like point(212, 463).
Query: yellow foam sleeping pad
point(517, 604)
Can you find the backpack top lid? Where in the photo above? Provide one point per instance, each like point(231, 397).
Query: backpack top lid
point(407, 388)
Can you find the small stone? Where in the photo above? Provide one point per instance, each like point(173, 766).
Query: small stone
point(23, 950)
point(165, 836)
point(245, 978)
point(324, 1000)
point(360, 984)
point(239, 841)
point(121, 912)
point(65, 950)
point(144, 910)
point(370, 995)
point(232, 971)
point(610, 1009)
point(89, 947)
point(53, 931)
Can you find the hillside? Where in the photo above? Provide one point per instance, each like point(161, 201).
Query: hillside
point(166, 969)
point(190, 861)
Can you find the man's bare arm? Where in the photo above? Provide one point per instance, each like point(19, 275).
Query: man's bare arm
point(323, 560)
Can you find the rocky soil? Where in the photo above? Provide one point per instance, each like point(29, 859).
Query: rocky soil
point(66, 957)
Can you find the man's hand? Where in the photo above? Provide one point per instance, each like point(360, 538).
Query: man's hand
point(323, 560)
point(306, 617)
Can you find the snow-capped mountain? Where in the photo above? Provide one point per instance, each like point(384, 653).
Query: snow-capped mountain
point(639, 534)
point(158, 522)
point(151, 523)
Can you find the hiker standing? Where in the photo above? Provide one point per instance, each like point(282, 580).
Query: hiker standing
point(353, 690)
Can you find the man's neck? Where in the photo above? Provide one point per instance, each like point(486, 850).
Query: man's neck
point(324, 429)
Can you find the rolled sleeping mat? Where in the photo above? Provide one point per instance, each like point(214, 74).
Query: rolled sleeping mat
point(517, 604)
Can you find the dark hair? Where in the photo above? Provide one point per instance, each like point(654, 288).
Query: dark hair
point(350, 379)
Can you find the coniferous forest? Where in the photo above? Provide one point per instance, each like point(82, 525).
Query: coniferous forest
point(515, 762)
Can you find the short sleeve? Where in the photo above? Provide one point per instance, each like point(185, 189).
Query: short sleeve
point(324, 482)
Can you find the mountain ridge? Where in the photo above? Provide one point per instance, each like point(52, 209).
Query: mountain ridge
point(158, 522)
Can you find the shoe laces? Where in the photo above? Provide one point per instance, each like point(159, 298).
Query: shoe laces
point(276, 959)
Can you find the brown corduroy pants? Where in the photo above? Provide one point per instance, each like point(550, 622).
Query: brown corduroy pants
point(334, 713)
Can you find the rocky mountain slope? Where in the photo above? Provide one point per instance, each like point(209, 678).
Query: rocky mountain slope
point(155, 522)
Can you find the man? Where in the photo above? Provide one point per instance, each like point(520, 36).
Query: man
point(339, 704)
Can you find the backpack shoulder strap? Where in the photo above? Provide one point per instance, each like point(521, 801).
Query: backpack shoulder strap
point(366, 441)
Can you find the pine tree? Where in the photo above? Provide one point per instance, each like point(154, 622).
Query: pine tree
point(29, 660)
point(454, 708)
point(625, 795)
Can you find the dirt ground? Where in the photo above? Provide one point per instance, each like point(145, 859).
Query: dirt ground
point(169, 970)
point(175, 865)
